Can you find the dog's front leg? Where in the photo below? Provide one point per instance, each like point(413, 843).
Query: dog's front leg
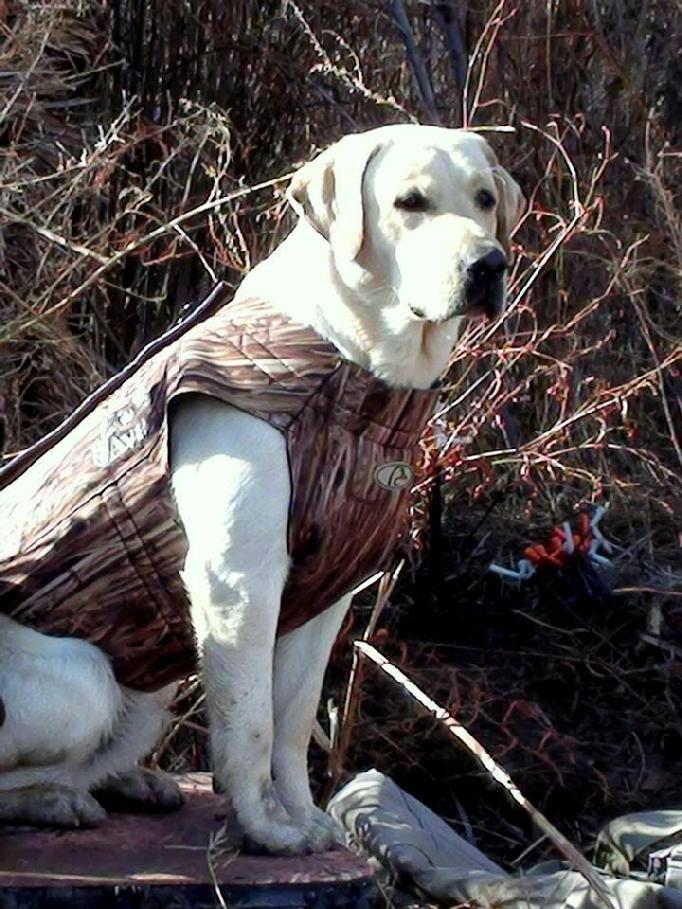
point(300, 661)
point(236, 631)
point(231, 483)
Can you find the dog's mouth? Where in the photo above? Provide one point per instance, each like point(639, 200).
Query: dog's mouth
point(477, 304)
point(482, 302)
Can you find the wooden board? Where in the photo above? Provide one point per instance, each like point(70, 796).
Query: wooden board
point(147, 860)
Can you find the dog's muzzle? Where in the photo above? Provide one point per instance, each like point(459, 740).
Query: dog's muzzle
point(483, 290)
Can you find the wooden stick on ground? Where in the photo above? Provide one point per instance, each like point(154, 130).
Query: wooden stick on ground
point(565, 847)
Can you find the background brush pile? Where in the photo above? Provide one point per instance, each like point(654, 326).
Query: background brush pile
point(122, 126)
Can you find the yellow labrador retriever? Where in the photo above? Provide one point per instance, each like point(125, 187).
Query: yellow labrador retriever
point(403, 234)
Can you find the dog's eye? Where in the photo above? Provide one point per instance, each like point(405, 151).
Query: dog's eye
point(412, 201)
point(485, 199)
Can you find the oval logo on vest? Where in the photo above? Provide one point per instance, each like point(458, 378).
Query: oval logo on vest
point(393, 475)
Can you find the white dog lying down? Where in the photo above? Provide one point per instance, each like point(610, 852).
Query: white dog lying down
point(403, 234)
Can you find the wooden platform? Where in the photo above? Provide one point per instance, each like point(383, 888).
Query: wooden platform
point(153, 861)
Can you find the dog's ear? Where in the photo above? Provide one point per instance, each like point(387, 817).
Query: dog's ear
point(328, 193)
point(511, 204)
point(511, 201)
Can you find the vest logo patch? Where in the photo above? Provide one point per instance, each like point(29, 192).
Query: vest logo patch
point(121, 432)
point(394, 475)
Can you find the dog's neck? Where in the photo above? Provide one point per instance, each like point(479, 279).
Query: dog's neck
point(368, 327)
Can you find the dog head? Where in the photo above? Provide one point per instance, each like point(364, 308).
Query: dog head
point(417, 217)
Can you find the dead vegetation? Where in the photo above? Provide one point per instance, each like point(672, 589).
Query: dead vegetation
point(132, 136)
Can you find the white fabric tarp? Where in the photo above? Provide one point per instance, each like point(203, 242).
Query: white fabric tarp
point(634, 835)
point(416, 845)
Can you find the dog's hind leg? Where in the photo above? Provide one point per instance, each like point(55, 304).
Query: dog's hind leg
point(50, 805)
point(139, 729)
point(140, 788)
point(60, 701)
point(60, 794)
point(69, 794)
point(300, 661)
point(67, 728)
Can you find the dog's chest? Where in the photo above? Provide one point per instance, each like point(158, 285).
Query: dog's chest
point(352, 454)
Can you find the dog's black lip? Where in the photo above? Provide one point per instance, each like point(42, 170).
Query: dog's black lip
point(421, 315)
point(475, 305)
point(484, 309)
point(487, 309)
point(479, 302)
point(417, 311)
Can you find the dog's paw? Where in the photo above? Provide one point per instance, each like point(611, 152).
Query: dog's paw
point(317, 833)
point(268, 828)
point(322, 831)
point(148, 789)
point(276, 839)
point(51, 805)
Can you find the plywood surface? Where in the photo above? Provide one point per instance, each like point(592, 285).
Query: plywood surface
point(163, 849)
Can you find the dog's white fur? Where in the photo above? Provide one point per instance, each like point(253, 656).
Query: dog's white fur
point(356, 268)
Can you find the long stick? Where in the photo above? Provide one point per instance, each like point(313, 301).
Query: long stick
point(566, 848)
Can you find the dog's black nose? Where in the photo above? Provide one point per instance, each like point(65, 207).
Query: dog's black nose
point(487, 270)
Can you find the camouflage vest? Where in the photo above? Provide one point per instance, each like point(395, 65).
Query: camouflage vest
point(91, 543)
